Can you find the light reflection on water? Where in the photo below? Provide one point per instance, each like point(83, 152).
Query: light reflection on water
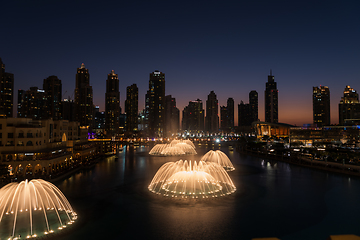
point(272, 199)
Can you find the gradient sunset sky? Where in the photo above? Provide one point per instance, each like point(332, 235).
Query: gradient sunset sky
point(225, 46)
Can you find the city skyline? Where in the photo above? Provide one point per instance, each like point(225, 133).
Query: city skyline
point(227, 48)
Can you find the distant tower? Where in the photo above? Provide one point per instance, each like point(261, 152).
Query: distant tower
point(112, 105)
point(224, 119)
point(271, 100)
point(172, 116)
point(131, 108)
point(230, 113)
point(321, 106)
point(6, 92)
point(84, 107)
point(349, 106)
point(33, 104)
point(193, 116)
point(253, 101)
point(53, 90)
point(244, 114)
point(212, 113)
point(156, 103)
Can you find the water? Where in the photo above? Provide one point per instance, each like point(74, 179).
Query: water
point(273, 199)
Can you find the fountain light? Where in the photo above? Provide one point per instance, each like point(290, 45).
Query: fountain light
point(220, 158)
point(191, 179)
point(36, 195)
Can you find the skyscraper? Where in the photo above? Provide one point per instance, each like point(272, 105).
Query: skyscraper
point(227, 116)
point(33, 104)
point(271, 100)
point(172, 116)
point(131, 108)
point(6, 91)
point(84, 108)
point(244, 114)
point(349, 106)
point(321, 106)
point(156, 103)
point(193, 116)
point(212, 113)
point(112, 105)
point(53, 90)
point(253, 101)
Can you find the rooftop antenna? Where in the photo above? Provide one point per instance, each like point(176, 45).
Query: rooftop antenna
point(270, 72)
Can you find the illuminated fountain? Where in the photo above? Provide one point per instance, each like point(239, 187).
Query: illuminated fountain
point(32, 209)
point(220, 158)
point(157, 149)
point(188, 179)
point(173, 142)
point(172, 151)
point(175, 148)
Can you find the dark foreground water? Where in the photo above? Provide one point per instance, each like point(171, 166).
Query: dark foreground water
point(272, 200)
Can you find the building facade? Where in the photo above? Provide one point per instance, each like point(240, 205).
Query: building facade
point(321, 106)
point(349, 106)
point(132, 108)
point(84, 108)
point(53, 91)
point(112, 104)
point(271, 100)
point(6, 91)
point(172, 116)
point(156, 103)
point(193, 116)
point(212, 113)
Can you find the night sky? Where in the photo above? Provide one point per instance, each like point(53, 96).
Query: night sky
point(225, 46)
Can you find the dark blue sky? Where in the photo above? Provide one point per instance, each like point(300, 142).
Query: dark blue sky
point(225, 46)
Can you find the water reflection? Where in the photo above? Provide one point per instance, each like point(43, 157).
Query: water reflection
point(115, 201)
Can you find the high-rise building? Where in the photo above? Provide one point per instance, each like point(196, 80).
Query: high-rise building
point(212, 113)
point(321, 106)
point(6, 92)
point(112, 104)
point(271, 100)
point(21, 99)
point(193, 116)
point(84, 108)
point(223, 118)
point(156, 104)
point(253, 101)
point(172, 116)
point(227, 116)
point(244, 114)
point(349, 106)
point(248, 112)
point(33, 104)
point(132, 108)
point(53, 89)
point(68, 109)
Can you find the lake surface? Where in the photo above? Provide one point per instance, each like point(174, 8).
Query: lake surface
point(273, 199)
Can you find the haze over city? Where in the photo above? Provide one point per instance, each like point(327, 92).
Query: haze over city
point(228, 47)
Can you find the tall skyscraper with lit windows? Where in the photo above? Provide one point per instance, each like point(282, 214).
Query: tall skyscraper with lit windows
point(156, 103)
point(349, 106)
point(271, 100)
point(112, 105)
point(321, 106)
point(84, 107)
point(212, 113)
point(131, 108)
point(193, 116)
point(6, 91)
point(53, 91)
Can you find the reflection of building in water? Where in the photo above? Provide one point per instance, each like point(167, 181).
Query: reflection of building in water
point(273, 130)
